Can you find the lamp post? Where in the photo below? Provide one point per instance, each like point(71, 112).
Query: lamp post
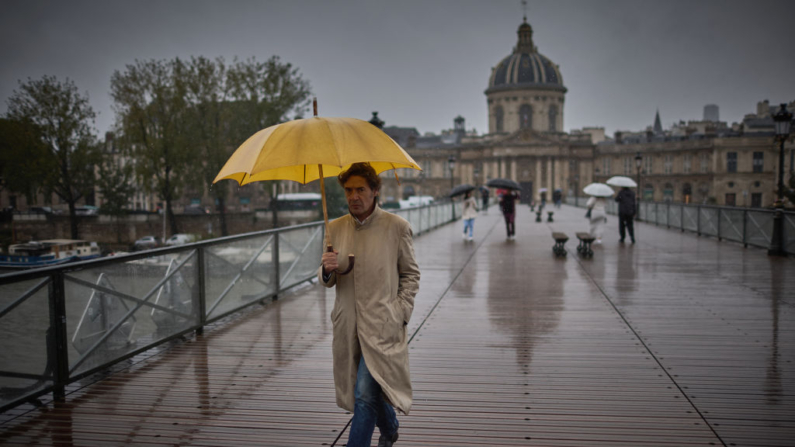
point(451, 166)
point(576, 189)
point(475, 173)
point(638, 164)
point(783, 120)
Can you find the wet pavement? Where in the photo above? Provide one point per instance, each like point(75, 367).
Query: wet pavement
point(677, 340)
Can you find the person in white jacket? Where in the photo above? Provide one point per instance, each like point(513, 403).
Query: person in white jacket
point(596, 206)
point(469, 215)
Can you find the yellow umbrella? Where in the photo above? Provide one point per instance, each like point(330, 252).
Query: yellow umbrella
point(305, 150)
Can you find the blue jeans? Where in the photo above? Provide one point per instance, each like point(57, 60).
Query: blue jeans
point(370, 409)
point(469, 224)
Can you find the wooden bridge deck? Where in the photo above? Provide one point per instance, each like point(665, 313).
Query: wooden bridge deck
point(675, 341)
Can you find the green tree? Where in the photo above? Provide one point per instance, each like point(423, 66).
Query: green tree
point(24, 159)
point(63, 118)
point(115, 183)
point(150, 101)
point(265, 94)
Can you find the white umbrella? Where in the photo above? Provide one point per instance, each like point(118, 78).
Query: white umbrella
point(542, 190)
point(622, 181)
point(598, 190)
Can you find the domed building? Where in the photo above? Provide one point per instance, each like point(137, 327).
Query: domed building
point(526, 89)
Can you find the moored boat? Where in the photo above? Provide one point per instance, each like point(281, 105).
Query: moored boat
point(48, 252)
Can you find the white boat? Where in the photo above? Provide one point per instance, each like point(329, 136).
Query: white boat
point(48, 252)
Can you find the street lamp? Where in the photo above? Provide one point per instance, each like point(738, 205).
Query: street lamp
point(576, 189)
point(475, 173)
point(638, 164)
point(783, 120)
point(451, 166)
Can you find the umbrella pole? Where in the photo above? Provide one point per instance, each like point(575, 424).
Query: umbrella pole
point(325, 211)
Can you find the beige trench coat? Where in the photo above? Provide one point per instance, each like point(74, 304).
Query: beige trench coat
point(374, 304)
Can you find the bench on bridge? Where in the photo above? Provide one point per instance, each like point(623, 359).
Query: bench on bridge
point(584, 247)
point(560, 243)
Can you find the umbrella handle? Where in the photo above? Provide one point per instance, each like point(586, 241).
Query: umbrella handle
point(351, 261)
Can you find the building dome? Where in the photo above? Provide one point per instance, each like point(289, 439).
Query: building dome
point(525, 67)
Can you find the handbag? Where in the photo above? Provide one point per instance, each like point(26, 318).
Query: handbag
point(588, 214)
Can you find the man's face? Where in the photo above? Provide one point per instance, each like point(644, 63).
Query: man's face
point(360, 196)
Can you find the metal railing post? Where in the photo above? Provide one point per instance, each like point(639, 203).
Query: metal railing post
point(745, 225)
point(698, 220)
point(656, 214)
point(202, 291)
point(58, 351)
point(682, 218)
point(275, 259)
point(719, 216)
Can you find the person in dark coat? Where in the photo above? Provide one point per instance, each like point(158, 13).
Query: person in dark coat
point(626, 213)
point(508, 206)
point(484, 196)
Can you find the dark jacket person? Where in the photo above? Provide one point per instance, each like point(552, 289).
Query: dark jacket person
point(626, 213)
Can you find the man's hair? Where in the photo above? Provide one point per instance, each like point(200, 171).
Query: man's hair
point(363, 170)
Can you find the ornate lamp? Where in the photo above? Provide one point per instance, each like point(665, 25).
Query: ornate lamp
point(783, 121)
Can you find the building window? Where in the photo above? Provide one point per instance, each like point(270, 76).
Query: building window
point(731, 199)
point(668, 192)
point(606, 166)
point(668, 164)
point(648, 192)
point(628, 166)
point(553, 119)
point(648, 161)
point(759, 161)
point(704, 162)
point(498, 114)
point(686, 164)
point(525, 117)
point(756, 200)
point(195, 201)
point(731, 162)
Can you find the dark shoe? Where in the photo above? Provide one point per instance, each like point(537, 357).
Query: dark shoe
point(633, 241)
point(621, 241)
point(383, 441)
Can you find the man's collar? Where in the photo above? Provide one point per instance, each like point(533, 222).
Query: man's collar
point(369, 218)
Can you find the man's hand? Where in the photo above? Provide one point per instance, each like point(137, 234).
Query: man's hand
point(329, 261)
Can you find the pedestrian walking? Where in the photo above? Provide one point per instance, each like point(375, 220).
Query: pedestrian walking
point(508, 206)
point(626, 214)
point(484, 196)
point(598, 217)
point(469, 214)
point(372, 309)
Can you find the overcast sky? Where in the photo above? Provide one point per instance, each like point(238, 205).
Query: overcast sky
point(420, 63)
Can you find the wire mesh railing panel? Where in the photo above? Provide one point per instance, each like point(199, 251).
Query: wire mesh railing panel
point(690, 218)
point(24, 329)
point(299, 254)
point(759, 228)
point(662, 214)
point(116, 308)
point(731, 224)
point(675, 216)
point(414, 219)
point(789, 233)
point(709, 221)
point(238, 273)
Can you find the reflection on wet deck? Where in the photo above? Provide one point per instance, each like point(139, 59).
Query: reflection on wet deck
point(675, 341)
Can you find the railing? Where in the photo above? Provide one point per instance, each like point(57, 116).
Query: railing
point(748, 226)
point(61, 324)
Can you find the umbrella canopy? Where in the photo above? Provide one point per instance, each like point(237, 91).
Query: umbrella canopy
point(598, 190)
point(622, 181)
point(461, 189)
point(503, 183)
point(543, 190)
point(296, 150)
point(309, 149)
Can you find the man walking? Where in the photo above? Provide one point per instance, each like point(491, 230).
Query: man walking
point(626, 213)
point(372, 309)
point(508, 207)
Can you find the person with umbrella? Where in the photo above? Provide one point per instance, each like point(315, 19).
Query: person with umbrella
point(484, 196)
point(508, 206)
point(373, 307)
point(469, 214)
point(626, 206)
point(596, 208)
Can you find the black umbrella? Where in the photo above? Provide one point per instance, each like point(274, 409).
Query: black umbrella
point(503, 183)
point(461, 189)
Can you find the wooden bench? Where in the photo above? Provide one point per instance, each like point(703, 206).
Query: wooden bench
point(584, 248)
point(560, 243)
